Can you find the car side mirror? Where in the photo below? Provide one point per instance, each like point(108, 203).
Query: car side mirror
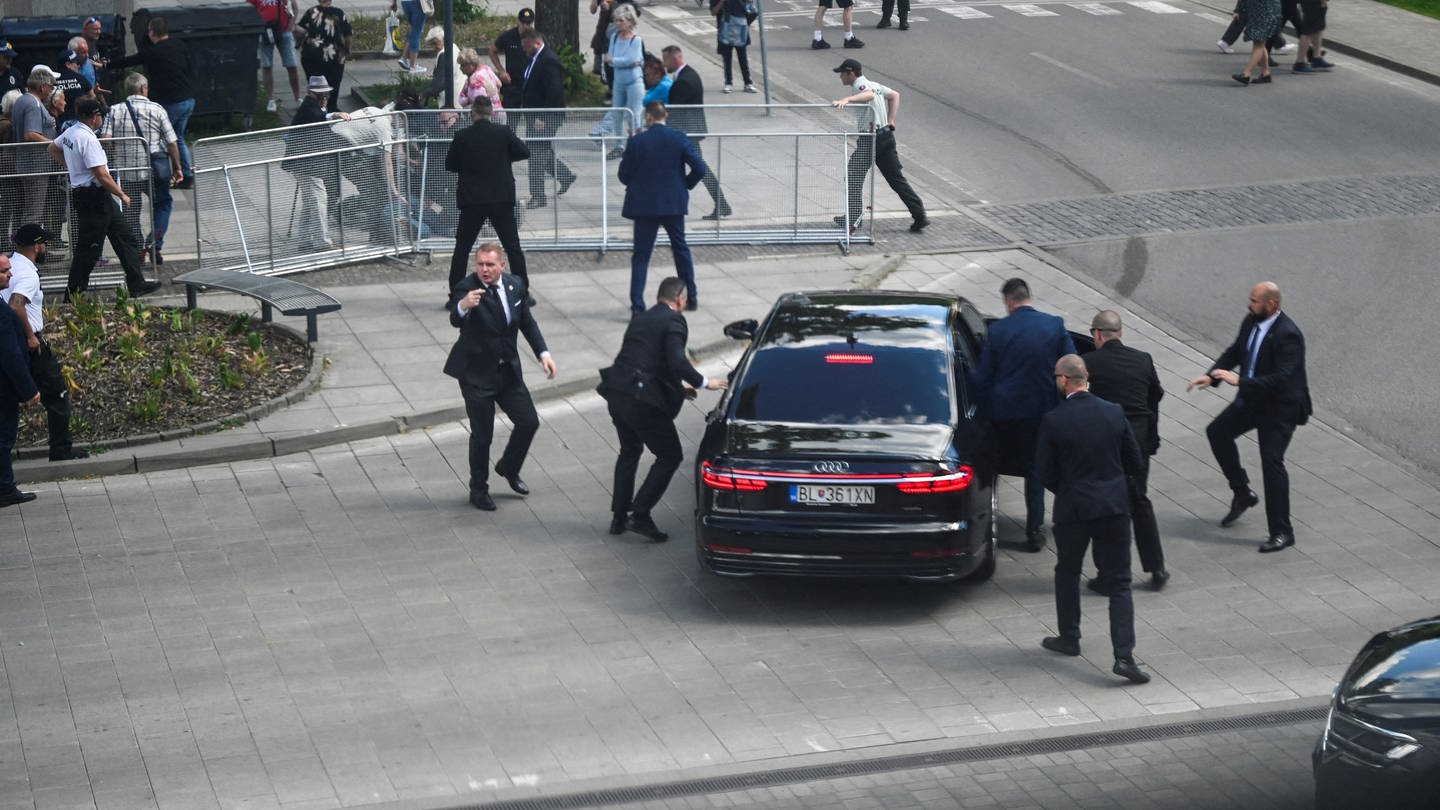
point(742, 330)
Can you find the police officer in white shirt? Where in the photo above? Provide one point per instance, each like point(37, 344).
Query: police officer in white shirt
point(25, 296)
point(882, 104)
point(97, 213)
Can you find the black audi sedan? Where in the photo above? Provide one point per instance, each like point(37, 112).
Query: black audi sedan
point(848, 445)
point(1381, 744)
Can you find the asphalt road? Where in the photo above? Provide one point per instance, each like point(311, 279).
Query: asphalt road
point(1050, 103)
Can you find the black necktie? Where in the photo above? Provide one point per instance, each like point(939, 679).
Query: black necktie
point(492, 293)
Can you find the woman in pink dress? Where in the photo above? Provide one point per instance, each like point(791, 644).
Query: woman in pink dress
point(481, 81)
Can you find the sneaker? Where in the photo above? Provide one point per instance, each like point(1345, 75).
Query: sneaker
point(1319, 63)
point(854, 42)
point(1263, 79)
point(272, 105)
point(1286, 48)
point(729, 88)
point(418, 69)
point(750, 88)
point(1223, 47)
point(818, 45)
point(403, 63)
point(1301, 67)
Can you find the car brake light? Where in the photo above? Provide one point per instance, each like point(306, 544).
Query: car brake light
point(727, 479)
point(933, 483)
point(727, 550)
point(850, 359)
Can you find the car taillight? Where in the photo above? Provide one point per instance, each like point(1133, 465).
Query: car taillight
point(933, 483)
point(724, 478)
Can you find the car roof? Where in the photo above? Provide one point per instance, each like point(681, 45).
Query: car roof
point(866, 315)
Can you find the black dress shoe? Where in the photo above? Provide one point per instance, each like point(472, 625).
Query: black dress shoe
point(1098, 586)
point(16, 497)
point(1035, 540)
point(617, 523)
point(145, 289)
point(1158, 579)
point(884, 23)
point(515, 482)
point(1279, 542)
point(692, 303)
point(1130, 671)
point(565, 185)
point(642, 524)
point(68, 454)
point(482, 501)
point(919, 225)
point(537, 202)
point(904, 25)
point(717, 213)
point(1060, 644)
point(1238, 505)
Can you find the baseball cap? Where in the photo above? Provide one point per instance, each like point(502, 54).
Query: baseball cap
point(526, 15)
point(32, 234)
point(44, 69)
point(7, 49)
point(68, 55)
point(850, 65)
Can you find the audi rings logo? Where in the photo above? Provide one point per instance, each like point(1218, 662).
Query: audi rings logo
point(831, 467)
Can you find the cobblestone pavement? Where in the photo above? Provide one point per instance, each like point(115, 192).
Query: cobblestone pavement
point(1156, 212)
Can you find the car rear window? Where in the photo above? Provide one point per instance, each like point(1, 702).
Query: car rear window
point(850, 365)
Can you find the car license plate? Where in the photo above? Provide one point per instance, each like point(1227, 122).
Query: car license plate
point(829, 494)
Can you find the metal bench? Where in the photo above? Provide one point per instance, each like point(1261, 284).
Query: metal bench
point(290, 297)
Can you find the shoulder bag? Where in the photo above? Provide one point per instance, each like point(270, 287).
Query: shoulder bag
point(160, 171)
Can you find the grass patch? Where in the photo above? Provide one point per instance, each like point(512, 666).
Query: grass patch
point(1430, 8)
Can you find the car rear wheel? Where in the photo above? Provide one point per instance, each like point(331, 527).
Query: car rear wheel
point(992, 540)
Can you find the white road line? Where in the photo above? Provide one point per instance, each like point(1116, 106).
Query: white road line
point(964, 12)
point(1032, 10)
point(1214, 18)
point(1098, 9)
point(1156, 7)
point(1067, 68)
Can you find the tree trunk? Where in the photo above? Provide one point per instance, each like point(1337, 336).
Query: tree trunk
point(559, 21)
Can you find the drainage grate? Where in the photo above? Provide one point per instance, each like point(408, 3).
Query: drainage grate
point(811, 773)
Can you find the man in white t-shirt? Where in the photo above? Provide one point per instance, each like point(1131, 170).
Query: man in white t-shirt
point(882, 104)
point(97, 214)
point(27, 299)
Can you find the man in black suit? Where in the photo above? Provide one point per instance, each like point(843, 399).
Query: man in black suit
point(1274, 399)
point(1127, 377)
point(687, 89)
point(659, 168)
point(1085, 452)
point(481, 155)
point(490, 308)
point(543, 88)
point(645, 387)
point(16, 388)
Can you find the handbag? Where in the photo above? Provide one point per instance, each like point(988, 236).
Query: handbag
point(734, 31)
point(160, 171)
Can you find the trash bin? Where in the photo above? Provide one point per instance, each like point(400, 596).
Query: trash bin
point(39, 40)
point(222, 37)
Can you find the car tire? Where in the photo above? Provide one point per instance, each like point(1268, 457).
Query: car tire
point(986, 569)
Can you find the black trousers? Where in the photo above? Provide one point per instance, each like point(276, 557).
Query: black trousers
point(54, 395)
point(98, 217)
point(1111, 536)
point(514, 399)
point(1274, 437)
point(1142, 514)
point(543, 162)
point(711, 182)
point(888, 6)
point(887, 159)
point(639, 427)
point(472, 219)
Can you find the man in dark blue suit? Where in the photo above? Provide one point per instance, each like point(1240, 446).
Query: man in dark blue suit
point(490, 308)
point(1274, 399)
point(1014, 382)
point(1085, 451)
point(16, 388)
point(659, 168)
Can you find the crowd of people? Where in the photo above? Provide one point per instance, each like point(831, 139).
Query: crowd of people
point(1261, 22)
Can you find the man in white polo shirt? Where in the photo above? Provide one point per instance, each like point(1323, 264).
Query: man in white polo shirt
point(876, 144)
point(97, 214)
point(28, 300)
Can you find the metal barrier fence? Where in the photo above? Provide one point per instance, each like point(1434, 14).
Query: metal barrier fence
point(300, 198)
point(35, 188)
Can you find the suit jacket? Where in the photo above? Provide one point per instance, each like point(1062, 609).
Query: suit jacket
point(481, 154)
point(659, 167)
point(652, 362)
point(544, 88)
point(16, 384)
point(1084, 453)
point(688, 89)
point(1015, 377)
point(1278, 391)
point(1127, 377)
point(486, 340)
